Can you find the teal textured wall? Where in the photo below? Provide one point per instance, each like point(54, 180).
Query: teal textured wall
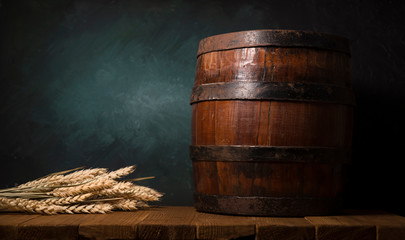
point(107, 84)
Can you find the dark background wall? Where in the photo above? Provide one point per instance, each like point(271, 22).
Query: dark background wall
point(107, 84)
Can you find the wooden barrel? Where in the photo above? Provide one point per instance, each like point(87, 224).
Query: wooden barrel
point(272, 119)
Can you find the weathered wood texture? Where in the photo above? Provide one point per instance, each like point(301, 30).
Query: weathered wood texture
point(271, 123)
point(187, 223)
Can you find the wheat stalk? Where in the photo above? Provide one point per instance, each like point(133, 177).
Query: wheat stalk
point(79, 191)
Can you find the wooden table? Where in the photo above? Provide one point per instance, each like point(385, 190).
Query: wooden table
point(186, 223)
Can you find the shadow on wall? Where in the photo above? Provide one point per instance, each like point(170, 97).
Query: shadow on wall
point(376, 172)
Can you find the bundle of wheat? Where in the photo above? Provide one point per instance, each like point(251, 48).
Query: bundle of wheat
point(79, 191)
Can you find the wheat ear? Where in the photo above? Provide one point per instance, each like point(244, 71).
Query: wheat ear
point(121, 172)
point(68, 200)
point(92, 186)
point(89, 208)
point(44, 180)
point(132, 191)
point(57, 180)
point(129, 205)
point(48, 178)
point(144, 193)
point(81, 176)
point(33, 206)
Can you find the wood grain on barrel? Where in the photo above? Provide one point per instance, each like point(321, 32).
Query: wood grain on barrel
point(271, 123)
point(258, 122)
point(275, 65)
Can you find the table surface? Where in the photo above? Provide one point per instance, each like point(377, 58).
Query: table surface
point(186, 223)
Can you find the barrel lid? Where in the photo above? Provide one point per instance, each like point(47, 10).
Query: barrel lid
point(277, 38)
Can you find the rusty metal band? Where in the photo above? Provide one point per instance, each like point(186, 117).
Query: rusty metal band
point(266, 206)
point(273, 38)
point(241, 153)
point(279, 91)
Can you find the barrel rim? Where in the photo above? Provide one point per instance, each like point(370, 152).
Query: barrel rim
point(273, 37)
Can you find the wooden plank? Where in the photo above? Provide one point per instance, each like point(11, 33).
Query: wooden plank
point(168, 223)
point(61, 226)
point(344, 227)
point(186, 223)
point(389, 226)
point(215, 226)
point(391, 232)
point(118, 225)
point(271, 228)
point(9, 224)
